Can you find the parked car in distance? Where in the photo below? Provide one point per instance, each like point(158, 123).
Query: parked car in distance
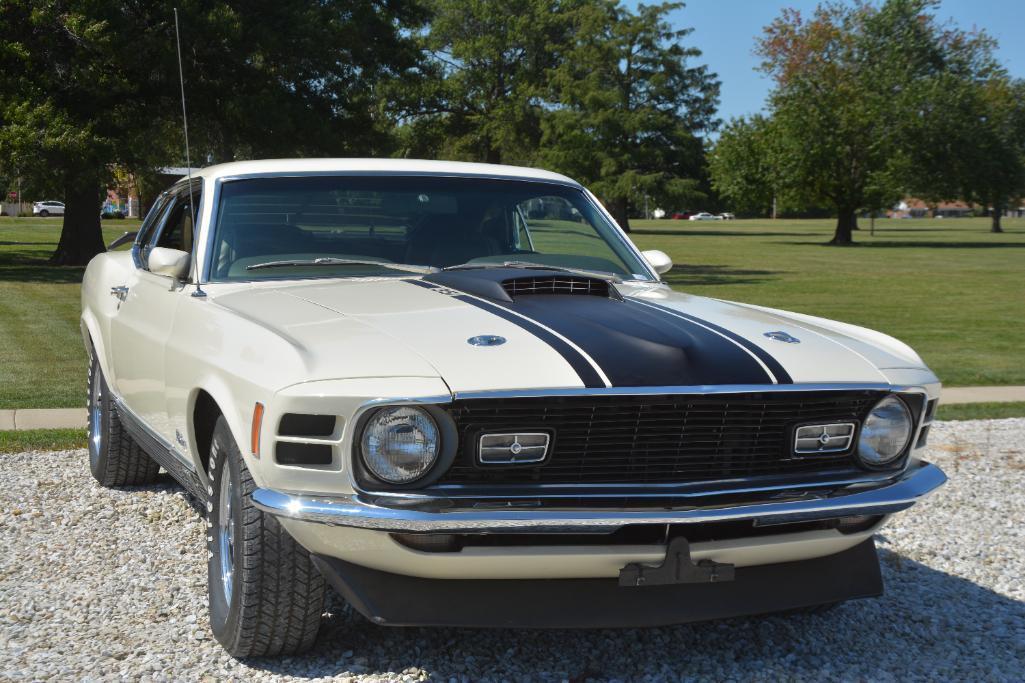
point(681, 215)
point(727, 216)
point(461, 396)
point(705, 216)
point(110, 212)
point(49, 207)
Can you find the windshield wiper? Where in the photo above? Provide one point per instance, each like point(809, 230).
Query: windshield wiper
point(530, 265)
point(329, 261)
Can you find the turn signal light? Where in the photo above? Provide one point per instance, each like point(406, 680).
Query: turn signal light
point(257, 423)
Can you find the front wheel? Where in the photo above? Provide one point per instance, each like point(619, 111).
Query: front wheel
point(44, 213)
point(266, 596)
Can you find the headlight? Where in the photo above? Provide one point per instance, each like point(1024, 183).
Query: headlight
point(400, 444)
point(886, 432)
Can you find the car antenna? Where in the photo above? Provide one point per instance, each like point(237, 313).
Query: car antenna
point(188, 158)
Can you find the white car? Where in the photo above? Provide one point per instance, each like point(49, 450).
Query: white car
point(390, 377)
point(705, 216)
point(50, 207)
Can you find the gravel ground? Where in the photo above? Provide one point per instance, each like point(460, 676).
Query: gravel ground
point(101, 584)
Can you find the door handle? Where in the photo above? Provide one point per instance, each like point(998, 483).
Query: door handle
point(120, 292)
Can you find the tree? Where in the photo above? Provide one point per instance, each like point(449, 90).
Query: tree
point(627, 109)
point(88, 84)
point(740, 165)
point(66, 108)
point(483, 98)
point(854, 85)
point(979, 153)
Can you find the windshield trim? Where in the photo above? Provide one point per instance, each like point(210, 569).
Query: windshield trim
point(205, 275)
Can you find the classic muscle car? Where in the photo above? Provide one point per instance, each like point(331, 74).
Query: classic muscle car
point(459, 394)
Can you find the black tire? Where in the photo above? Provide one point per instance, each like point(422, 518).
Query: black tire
point(272, 601)
point(43, 213)
point(115, 459)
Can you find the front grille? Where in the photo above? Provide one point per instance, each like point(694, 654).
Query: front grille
point(656, 439)
point(561, 284)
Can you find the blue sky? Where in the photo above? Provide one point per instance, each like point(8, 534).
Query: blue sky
point(725, 32)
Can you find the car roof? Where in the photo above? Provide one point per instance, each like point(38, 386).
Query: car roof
point(395, 166)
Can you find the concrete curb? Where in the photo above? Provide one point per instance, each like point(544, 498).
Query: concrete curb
point(43, 418)
point(982, 395)
point(77, 418)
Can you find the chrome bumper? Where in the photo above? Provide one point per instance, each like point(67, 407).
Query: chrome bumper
point(449, 516)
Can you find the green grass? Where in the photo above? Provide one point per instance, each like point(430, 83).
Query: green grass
point(42, 359)
point(980, 411)
point(42, 440)
point(951, 289)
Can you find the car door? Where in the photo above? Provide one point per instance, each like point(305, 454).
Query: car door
point(140, 329)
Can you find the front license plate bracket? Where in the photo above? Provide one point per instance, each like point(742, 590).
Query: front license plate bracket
point(677, 567)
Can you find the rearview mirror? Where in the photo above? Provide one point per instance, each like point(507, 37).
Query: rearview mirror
point(659, 260)
point(170, 262)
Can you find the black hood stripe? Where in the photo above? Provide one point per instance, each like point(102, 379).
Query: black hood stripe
point(774, 367)
point(632, 343)
point(641, 346)
point(585, 367)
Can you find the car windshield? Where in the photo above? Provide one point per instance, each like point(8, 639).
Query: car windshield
point(346, 226)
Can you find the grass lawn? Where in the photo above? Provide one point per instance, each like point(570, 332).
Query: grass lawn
point(949, 288)
point(42, 360)
point(42, 440)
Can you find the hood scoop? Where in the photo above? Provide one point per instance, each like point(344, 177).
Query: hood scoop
point(576, 285)
point(507, 284)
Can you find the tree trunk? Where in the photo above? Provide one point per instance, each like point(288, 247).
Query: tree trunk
point(845, 222)
point(81, 237)
point(995, 215)
point(620, 209)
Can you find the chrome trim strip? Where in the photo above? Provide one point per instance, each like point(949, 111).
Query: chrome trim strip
point(701, 389)
point(157, 438)
point(441, 516)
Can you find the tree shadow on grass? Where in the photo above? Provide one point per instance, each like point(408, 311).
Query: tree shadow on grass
point(916, 244)
point(32, 266)
point(689, 275)
point(913, 631)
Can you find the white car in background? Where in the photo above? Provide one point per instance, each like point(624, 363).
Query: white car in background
point(50, 207)
point(461, 396)
point(705, 216)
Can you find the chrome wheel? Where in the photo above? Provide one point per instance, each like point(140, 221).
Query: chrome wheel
point(226, 534)
point(95, 418)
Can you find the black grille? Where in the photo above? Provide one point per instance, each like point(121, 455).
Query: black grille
point(655, 439)
point(556, 285)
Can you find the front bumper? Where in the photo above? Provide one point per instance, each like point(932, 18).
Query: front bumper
point(399, 600)
point(441, 515)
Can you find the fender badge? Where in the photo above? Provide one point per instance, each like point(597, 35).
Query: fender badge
point(781, 336)
point(486, 340)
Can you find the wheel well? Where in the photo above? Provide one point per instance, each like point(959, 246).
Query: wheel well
point(204, 418)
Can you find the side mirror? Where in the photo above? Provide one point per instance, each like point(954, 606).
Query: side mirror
point(659, 260)
point(170, 262)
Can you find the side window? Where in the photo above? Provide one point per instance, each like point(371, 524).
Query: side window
point(178, 227)
point(173, 227)
point(149, 226)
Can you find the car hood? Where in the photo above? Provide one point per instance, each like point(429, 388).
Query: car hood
point(465, 328)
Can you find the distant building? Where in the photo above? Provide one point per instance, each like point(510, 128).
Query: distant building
point(918, 208)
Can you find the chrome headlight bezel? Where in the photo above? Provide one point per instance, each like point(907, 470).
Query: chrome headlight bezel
point(868, 455)
point(370, 477)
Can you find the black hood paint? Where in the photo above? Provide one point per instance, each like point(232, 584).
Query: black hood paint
point(635, 343)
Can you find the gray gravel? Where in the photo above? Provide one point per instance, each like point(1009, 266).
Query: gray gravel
point(98, 584)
